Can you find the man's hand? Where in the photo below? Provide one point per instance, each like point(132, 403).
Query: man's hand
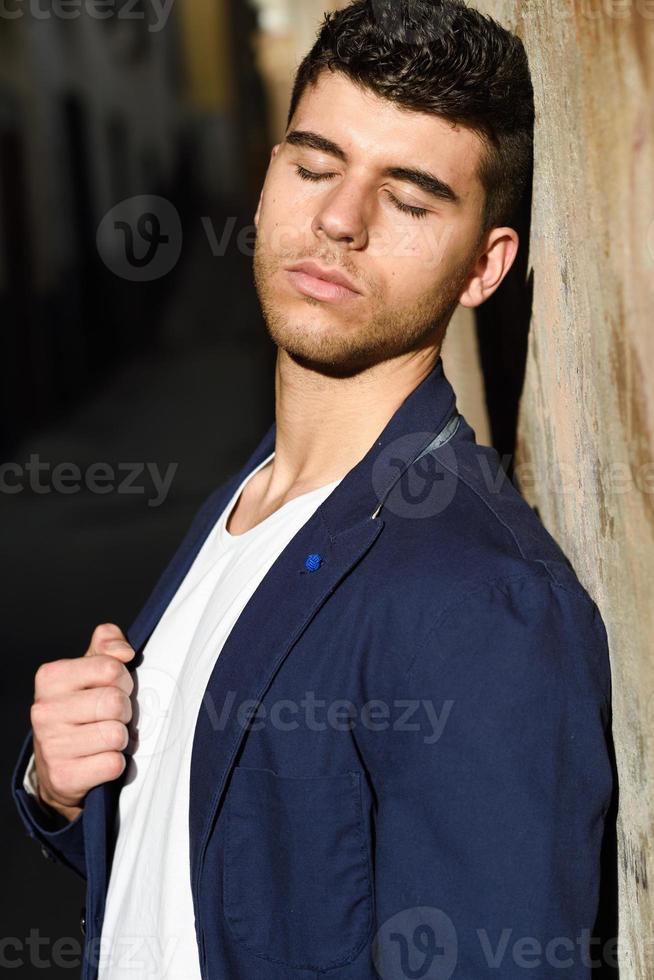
point(79, 720)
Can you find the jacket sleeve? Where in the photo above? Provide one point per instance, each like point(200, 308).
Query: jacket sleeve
point(492, 798)
point(65, 843)
point(59, 841)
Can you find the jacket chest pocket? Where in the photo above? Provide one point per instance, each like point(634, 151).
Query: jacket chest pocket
point(297, 887)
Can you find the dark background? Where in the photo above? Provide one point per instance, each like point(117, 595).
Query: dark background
point(96, 367)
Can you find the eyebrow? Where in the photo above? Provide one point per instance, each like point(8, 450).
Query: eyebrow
point(425, 181)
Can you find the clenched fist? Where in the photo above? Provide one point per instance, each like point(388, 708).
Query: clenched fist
point(79, 720)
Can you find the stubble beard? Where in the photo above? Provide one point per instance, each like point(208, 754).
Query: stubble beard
point(380, 334)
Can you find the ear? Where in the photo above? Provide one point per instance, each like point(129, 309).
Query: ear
point(497, 254)
point(273, 154)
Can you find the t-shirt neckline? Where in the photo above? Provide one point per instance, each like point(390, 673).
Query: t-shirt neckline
point(230, 538)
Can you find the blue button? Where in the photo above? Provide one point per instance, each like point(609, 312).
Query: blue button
point(312, 562)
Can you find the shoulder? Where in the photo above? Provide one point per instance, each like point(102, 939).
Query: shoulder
point(483, 500)
point(537, 630)
point(457, 523)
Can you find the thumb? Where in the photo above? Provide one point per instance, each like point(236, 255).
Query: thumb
point(110, 639)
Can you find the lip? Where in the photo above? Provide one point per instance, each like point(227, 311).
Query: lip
point(321, 282)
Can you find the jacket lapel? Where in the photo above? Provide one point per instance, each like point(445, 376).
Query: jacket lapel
point(337, 536)
point(275, 616)
point(142, 627)
point(101, 802)
point(340, 532)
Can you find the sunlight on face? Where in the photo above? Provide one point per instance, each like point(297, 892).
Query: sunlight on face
point(388, 197)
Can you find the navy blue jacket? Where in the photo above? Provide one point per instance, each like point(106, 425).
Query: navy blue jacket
point(401, 767)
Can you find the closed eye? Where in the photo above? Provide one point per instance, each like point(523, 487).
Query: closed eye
point(404, 208)
point(309, 175)
point(408, 208)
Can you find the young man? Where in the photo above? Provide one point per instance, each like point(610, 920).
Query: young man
point(383, 696)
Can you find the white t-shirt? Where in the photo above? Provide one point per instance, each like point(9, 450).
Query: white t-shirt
point(148, 929)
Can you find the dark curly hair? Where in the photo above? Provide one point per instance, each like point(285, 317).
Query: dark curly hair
point(441, 57)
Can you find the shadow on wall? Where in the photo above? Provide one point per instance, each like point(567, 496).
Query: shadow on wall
point(607, 925)
point(503, 323)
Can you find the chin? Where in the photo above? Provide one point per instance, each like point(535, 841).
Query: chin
point(321, 348)
point(300, 321)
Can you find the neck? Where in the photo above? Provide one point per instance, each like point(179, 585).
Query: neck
point(325, 425)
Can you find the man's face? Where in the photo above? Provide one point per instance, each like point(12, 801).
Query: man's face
point(407, 248)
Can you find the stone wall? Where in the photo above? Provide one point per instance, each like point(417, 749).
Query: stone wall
point(586, 426)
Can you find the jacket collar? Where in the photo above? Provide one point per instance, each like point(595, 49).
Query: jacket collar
point(339, 533)
point(360, 495)
point(419, 419)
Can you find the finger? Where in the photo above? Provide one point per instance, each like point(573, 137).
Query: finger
point(88, 705)
point(72, 780)
point(108, 638)
point(72, 742)
point(58, 678)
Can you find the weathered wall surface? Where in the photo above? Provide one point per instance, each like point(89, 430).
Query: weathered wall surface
point(586, 430)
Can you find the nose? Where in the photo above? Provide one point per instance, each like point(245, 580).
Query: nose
point(341, 217)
